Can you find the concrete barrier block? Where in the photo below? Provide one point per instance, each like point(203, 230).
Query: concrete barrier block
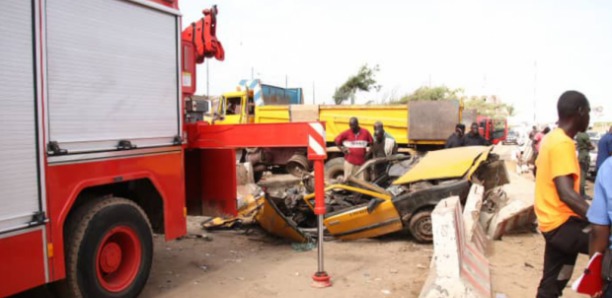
point(474, 232)
point(447, 237)
point(517, 214)
point(459, 268)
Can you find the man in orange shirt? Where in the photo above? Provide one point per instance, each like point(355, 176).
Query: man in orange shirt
point(560, 209)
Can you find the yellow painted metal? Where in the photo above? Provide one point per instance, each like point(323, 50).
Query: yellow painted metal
point(394, 117)
point(357, 223)
point(243, 116)
point(272, 114)
point(386, 197)
point(246, 214)
point(446, 164)
point(271, 220)
point(482, 158)
point(336, 118)
point(234, 94)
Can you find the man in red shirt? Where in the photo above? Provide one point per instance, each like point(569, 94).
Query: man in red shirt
point(354, 143)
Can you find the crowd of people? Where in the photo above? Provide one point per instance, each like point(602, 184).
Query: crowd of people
point(358, 145)
point(355, 141)
point(460, 139)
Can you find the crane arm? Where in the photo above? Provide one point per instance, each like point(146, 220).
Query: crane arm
point(202, 34)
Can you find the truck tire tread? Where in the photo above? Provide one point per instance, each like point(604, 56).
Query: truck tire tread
point(76, 233)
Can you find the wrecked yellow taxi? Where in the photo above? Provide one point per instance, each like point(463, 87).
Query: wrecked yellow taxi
point(359, 209)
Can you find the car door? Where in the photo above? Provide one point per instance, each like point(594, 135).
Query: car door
point(359, 221)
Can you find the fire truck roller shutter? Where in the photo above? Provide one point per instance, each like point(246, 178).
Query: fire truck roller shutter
point(19, 184)
point(113, 74)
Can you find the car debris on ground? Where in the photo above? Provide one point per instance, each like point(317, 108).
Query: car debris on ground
point(400, 200)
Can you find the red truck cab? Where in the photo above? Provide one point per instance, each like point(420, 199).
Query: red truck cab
point(494, 130)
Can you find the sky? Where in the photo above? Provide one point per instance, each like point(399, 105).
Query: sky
point(524, 52)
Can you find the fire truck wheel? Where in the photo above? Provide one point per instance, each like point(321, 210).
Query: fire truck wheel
point(109, 250)
point(334, 169)
point(420, 226)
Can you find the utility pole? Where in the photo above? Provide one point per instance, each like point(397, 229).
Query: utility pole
point(286, 81)
point(535, 80)
point(313, 92)
point(252, 73)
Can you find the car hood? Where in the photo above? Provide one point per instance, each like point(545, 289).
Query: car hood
point(446, 164)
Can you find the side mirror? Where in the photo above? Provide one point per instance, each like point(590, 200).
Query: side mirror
point(207, 108)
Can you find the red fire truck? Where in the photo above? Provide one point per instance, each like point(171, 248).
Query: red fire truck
point(102, 143)
point(91, 151)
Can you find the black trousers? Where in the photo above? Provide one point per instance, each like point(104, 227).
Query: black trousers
point(562, 247)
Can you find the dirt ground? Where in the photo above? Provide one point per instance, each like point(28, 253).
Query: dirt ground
point(239, 264)
point(235, 264)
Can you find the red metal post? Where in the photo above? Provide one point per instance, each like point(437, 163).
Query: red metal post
point(320, 279)
point(318, 153)
point(319, 169)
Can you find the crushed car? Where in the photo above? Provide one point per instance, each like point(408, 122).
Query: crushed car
point(401, 199)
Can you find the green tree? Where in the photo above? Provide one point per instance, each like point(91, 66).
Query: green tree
point(431, 93)
point(363, 81)
point(488, 106)
point(492, 107)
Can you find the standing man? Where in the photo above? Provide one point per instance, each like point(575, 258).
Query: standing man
point(353, 142)
point(473, 138)
point(560, 209)
point(583, 142)
point(532, 133)
point(384, 145)
point(532, 142)
point(604, 148)
point(456, 139)
point(378, 125)
point(599, 216)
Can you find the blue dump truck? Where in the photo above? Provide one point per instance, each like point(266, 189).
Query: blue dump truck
point(273, 95)
point(263, 94)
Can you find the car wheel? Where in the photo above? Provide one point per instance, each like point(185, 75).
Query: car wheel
point(334, 169)
point(420, 226)
point(109, 250)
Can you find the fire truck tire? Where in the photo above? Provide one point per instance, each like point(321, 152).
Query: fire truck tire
point(109, 250)
point(420, 226)
point(334, 168)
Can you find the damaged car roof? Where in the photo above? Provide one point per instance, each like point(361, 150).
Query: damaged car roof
point(446, 164)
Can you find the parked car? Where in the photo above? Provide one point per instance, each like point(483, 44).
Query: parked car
point(513, 138)
point(359, 209)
